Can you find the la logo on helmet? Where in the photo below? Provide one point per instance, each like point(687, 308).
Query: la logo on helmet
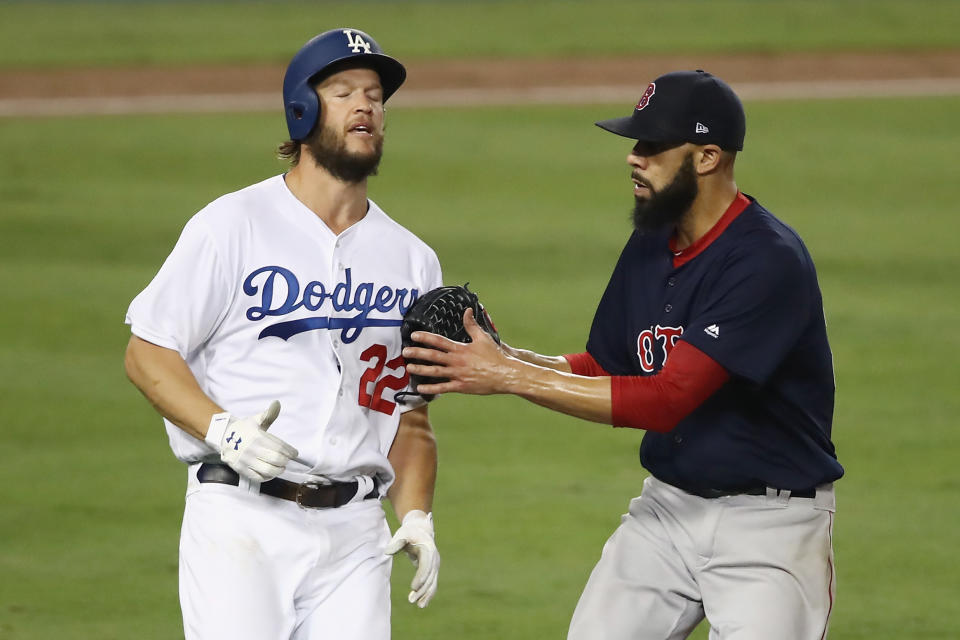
point(355, 42)
point(645, 98)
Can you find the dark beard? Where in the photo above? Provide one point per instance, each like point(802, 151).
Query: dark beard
point(666, 207)
point(330, 152)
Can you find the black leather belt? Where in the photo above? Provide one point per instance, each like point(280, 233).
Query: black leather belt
point(752, 491)
point(309, 494)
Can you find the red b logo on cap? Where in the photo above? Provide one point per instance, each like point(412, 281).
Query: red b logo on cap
point(645, 98)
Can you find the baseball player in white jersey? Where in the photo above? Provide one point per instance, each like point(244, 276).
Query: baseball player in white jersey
point(279, 308)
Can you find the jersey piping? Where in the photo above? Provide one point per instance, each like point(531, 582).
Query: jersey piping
point(682, 256)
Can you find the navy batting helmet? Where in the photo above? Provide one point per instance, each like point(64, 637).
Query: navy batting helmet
point(300, 101)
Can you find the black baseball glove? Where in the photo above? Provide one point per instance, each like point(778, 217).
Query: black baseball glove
point(441, 311)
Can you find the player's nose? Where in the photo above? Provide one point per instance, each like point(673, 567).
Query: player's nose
point(360, 102)
point(363, 106)
point(635, 160)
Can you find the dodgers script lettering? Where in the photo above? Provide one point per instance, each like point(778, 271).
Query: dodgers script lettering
point(280, 294)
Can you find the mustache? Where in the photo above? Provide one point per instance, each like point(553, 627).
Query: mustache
point(640, 180)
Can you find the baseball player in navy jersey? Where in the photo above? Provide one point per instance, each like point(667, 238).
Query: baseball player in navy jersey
point(710, 337)
point(279, 308)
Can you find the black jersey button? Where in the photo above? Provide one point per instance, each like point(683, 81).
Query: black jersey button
point(678, 438)
point(668, 308)
point(671, 282)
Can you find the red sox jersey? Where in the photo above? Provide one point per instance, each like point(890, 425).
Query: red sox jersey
point(265, 302)
point(746, 294)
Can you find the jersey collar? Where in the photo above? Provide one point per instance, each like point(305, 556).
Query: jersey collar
point(684, 256)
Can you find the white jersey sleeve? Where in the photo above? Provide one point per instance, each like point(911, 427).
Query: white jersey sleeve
point(193, 279)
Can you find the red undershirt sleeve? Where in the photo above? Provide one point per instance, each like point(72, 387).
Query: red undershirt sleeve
point(659, 402)
point(583, 364)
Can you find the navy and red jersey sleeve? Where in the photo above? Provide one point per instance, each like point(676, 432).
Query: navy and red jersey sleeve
point(757, 308)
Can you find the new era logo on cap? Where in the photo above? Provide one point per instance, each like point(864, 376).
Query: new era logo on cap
point(702, 128)
point(713, 331)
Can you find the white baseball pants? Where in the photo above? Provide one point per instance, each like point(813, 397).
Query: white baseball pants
point(254, 567)
point(758, 567)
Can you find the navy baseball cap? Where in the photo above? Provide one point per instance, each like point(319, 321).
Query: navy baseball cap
point(685, 106)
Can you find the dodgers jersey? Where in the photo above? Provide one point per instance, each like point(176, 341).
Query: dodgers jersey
point(747, 295)
point(265, 302)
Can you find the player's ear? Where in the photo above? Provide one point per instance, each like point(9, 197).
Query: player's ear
point(708, 159)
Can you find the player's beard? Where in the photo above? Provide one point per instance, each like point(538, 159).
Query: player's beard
point(330, 152)
point(667, 206)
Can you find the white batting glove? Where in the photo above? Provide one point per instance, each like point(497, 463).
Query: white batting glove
point(245, 445)
point(415, 536)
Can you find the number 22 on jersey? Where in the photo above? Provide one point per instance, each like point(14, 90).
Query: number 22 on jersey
point(376, 354)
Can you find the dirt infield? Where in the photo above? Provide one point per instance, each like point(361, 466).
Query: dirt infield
point(27, 92)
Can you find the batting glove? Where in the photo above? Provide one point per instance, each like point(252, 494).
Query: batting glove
point(245, 445)
point(415, 536)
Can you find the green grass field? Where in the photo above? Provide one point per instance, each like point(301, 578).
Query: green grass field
point(531, 206)
point(91, 496)
point(57, 34)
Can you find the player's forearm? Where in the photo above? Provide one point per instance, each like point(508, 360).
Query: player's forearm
point(167, 382)
point(413, 457)
point(589, 398)
point(558, 363)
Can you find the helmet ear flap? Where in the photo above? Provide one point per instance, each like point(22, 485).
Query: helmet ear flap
point(303, 112)
point(295, 111)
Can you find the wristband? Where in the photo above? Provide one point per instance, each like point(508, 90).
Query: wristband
point(218, 425)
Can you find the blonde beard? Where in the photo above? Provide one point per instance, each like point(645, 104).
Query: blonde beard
point(330, 152)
